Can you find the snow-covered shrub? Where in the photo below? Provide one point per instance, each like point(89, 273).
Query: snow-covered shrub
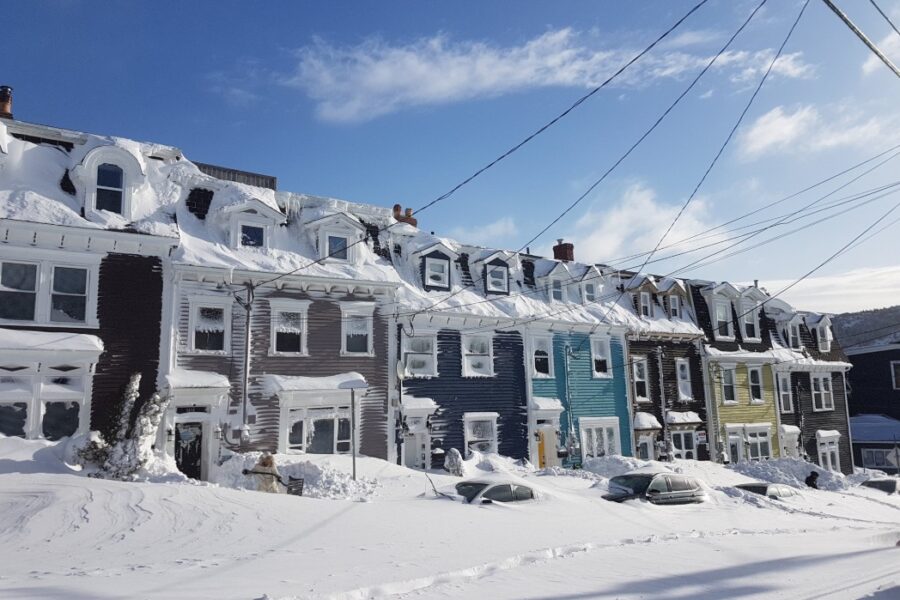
point(453, 463)
point(792, 472)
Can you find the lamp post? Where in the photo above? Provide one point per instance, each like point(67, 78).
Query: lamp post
point(353, 386)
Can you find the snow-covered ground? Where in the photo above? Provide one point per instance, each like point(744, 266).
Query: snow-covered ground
point(63, 535)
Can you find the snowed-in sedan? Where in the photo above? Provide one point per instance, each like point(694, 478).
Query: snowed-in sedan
point(486, 491)
point(776, 491)
point(658, 488)
point(889, 485)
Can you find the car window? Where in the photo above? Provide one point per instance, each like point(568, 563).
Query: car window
point(469, 490)
point(756, 489)
point(524, 493)
point(658, 485)
point(500, 493)
point(680, 484)
point(636, 483)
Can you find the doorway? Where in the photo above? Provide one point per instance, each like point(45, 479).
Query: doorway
point(189, 448)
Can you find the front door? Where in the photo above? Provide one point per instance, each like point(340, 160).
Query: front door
point(189, 448)
point(417, 450)
point(683, 442)
point(548, 441)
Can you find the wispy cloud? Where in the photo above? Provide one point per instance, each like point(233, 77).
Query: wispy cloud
point(491, 234)
point(859, 289)
point(375, 77)
point(806, 128)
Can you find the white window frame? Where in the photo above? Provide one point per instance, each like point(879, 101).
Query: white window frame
point(645, 304)
point(785, 392)
point(240, 219)
point(750, 316)
point(726, 306)
point(444, 262)
point(469, 417)
point(195, 304)
point(675, 309)
point(279, 305)
point(309, 414)
point(46, 261)
point(536, 342)
point(824, 338)
point(824, 446)
point(895, 369)
point(588, 426)
point(405, 351)
point(822, 393)
point(489, 282)
point(682, 453)
point(793, 333)
point(735, 433)
point(351, 235)
point(635, 361)
point(600, 349)
point(588, 298)
point(757, 429)
point(685, 386)
point(85, 174)
point(464, 354)
point(556, 285)
point(790, 445)
point(733, 370)
point(358, 309)
point(750, 384)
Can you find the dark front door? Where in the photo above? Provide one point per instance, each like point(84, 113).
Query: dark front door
point(188, 448)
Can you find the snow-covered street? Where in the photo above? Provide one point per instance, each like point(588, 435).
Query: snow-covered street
point(68, 536)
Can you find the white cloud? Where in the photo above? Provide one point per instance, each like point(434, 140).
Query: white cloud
point(854, 290)
point(890, 45)
point(806, 129)
point(374, 78)
point(635, 224)
point(490, 234)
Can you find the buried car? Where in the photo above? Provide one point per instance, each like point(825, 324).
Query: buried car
point(485, 491)
point(658, 488)
point(776, 491)
point(886, 484)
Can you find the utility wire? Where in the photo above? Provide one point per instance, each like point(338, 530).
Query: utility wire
point(886, 18)
point(865, 40)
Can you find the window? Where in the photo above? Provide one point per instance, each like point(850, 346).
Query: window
point(18, 291)
point(600, 357)
point(437, 273)
point(824, 338)
point(319, 430)
point(253, 236)
point(419, 354)
point(500, 493)
point(639, 374)
point(724, 326)
point(758, 444)
point(477, 355)
point(675, 306)
point(542, 350)
point(879, 458)
point(480, 432)
point(823, 399)
point(829, 454)
point(338, 247)
point(497, 279)
point(288, 326)
point(110, 188)
point(735, 446)
point(68, 301)
point(683, 370)
point(754, 376)
point(556, 290)
point(683, 444)
point(749, 320)
point(785, 393)
point(356, 328)
point(599, 436)
point(589, 292)
point(38, 400)
point(645, 304)
point(209, 329)
point(895, 373)
point(794, 336)
point(728, 390)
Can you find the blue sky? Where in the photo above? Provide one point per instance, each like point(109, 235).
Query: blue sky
point(397, 102)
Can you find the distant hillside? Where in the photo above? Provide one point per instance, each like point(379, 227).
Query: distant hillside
point(868, 328)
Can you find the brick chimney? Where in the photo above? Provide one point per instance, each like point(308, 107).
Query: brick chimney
point(5, 102)
point(564, 251)
point(406, 217)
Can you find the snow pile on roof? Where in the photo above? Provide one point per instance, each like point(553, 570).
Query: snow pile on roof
point(790, 471)
point(688, 417)
point(342, 381)
point(43, 341)
point(874, 428)
point(186, 378)
point(645, 420)
point(547, 404)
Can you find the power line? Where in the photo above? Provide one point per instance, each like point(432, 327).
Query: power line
point(865, 40)
point(886, 18)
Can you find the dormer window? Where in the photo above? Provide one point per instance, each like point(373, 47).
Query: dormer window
point(437, 273)
point(250, 229)
point(824, 337)
point(110, 188)
point(675, 306)
point(794, 336)
point(556, 290)
point(645, 304)
point(338, 238)
point(253, 236)
point(497, 279)
point(724, 326)
point(589, 292)
point(337, 247)
point(749, 321)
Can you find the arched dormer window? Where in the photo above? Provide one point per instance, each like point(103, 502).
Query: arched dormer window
point(108, 175)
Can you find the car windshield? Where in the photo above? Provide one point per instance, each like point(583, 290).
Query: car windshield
point(637, 484)
point(755, 488)
point(469, 490)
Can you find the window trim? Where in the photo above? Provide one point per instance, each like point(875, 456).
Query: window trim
point(504, 289)
point(826, 441)
point(584, 294)
point(733, 370)
point(593, 423)
point(827, 337)
point(759, 371)
point(728, 319)
point(358, 309)
point(648, 304)
point(750, 314)
point(822, 377)
point(748, 429)
point(85, 174)
point(466, 372)
point(336, 230)
point(404, 350)
point(195, 304)
point(781, 393)
point(607, 354)
point(534, 348)
point(675, 307)
point(552, 289)
point(46, 262)
point(871, 464)
point(635, 360)
point(277, 305)
point(427, 262)
point(790, 335)
point(690, 384)
point(239, 220)
point(468, 417)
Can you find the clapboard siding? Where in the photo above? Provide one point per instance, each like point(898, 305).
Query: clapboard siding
point(871, 385)
point(584, 395)
point(745, 411)
point(455, 395)
point(809, 421)
point(324, 346)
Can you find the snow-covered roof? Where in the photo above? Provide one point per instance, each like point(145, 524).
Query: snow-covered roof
point(546, 404)
point(342, 381)
point(14, 341)
point(187, 378)
point(645, 420)
point(790, 430)
point(416, 403)
point(674, 417)
point(874, 428)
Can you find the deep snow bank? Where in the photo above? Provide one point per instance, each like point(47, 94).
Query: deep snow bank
point(611, 466)
point(792, 472)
